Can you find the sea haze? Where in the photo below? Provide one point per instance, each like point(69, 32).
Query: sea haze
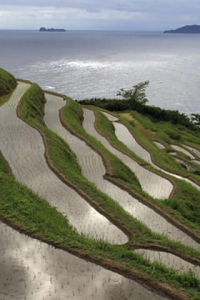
point(85, 64)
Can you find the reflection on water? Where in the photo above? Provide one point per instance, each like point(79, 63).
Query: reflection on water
point(85, 64)
point(32, 270)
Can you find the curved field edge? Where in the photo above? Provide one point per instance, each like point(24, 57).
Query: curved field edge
point(71, 116)
point(24, 211)
point(97, 251)
point(185, 202)
point(177, 207)
point(56, 151)
point(184, 190)
point(63, 162)
point(7, 85)
point(138, 127)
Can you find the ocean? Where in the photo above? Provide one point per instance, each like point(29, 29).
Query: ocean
point(86, 64)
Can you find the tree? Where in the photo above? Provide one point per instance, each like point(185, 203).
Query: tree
point(136, 95)
point(196, 119)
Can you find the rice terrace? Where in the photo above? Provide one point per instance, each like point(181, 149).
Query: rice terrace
point(99, 199)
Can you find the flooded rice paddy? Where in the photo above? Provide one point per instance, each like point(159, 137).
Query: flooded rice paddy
point(195, 151)
point(23, 148)
point(93, 169)
point(154, 185)
point(187, 165)
point(159, 145)
point(31, 270)
point(180, 149)
point(124, 135)
point(170, 260)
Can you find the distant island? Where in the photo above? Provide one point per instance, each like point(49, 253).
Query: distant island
point(185, 29)
point(43, 29)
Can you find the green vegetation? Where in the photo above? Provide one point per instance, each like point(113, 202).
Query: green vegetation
point(7, 84)
point(64, 161)
point(155, 113)
point(166, 133)
point(106, 128)
point(24, 209)
point(196, 119)
point(72, 116)
point(184, 205)
point(136, 95)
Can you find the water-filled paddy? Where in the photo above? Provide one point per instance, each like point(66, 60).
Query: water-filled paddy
point(151, 183)
point(23, 148)
point(180, 149)
point(171, 261)
point(93, 169)
point(31, 270)
point(126, 137)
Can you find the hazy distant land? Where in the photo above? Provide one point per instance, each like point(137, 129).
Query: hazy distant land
point(185, 29)
point(43, 29)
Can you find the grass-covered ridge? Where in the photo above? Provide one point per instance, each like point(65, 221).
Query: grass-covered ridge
point(22, 208)
point(63, 161)
point(71, 116)
point(184, 204)
point(7, 84)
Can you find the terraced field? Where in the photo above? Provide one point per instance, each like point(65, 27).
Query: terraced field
point(33, 270)
point(120, 248)
point(154, 185)
point(125, 136)
point(93, 169)
point(23, 148)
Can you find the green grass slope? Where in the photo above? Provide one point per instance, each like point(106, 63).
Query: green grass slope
point(31, 214)
point(63, 162)
point(7, 82)
point(184, 203)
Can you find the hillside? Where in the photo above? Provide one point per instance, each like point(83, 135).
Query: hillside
point(43, 29)
point(185, 29)
point(7, 82)
point(117, 189)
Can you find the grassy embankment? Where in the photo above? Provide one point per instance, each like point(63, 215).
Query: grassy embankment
point(63, 162)
point(25, 210)
point(184, 203)
point(167, 133)
point(72, 115)
point(7, 85)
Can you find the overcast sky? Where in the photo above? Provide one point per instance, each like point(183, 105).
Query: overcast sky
point(99, 14)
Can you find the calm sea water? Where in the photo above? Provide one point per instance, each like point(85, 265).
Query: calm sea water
point(85, 64)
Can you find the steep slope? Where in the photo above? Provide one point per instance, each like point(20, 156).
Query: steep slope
point(7, 82)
